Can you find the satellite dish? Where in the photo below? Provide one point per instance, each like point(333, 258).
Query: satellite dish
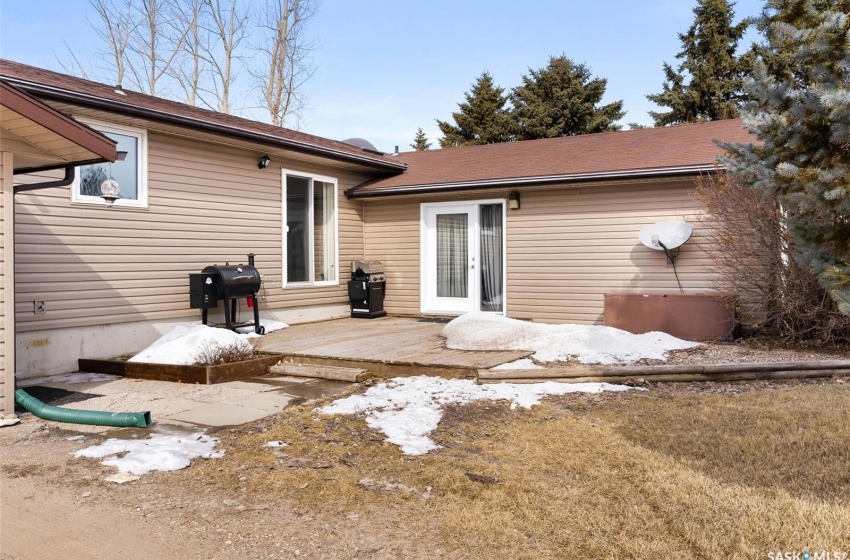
point(668, 234)
point(362, 143)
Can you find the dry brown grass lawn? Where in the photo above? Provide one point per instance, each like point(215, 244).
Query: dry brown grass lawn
point(671, 472)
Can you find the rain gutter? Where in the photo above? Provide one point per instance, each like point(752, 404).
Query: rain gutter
point(95, 102)
point(362, 191)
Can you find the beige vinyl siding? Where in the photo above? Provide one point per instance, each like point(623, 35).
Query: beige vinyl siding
point(566, 248)
point(392, 237)
point(208, 204)
point(7, 290)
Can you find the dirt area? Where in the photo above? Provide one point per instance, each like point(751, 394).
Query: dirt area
point(690, 470)
point(744, 351)
point(757, 350)
point(53, 506)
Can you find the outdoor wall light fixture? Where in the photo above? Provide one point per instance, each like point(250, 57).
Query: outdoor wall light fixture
point(109, 189)
point(513, 201)
point(264, 161)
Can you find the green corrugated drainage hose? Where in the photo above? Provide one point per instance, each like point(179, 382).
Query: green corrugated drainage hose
point(77, 416)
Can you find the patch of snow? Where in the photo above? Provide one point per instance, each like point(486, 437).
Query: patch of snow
point(408, 409)
point(158, 452)
point(183, 344)
point(589, 344)
point(268, 324)
point(524, 363)
point(121, 478)
point(275, 444)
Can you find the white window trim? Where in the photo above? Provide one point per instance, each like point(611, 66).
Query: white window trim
point(313, 178)
point(142, 199)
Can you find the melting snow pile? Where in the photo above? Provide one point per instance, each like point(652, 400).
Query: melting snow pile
point(158, 452)
point(589, 344)
point(185, 342)
point(406, 410)
point(267, 324)
point(523, 363)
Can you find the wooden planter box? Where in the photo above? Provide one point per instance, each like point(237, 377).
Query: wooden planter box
point(204, 375)
point(686, 316)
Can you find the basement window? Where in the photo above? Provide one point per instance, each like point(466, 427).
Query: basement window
point(310, 230)
point(130, 173)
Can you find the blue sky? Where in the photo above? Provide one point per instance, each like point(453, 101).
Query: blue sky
point(385, 68)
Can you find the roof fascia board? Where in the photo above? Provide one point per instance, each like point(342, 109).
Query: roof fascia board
point(510, 182)
point(93, 101)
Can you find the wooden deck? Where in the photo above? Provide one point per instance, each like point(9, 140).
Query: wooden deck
point(387, 347)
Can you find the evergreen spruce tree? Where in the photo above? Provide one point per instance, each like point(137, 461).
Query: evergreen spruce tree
point(482, 118)
point(420, 141)
point(708, 58)
point(778, 58)
point(800, 113)
point(562, 99)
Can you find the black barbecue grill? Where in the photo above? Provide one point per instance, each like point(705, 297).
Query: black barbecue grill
point(228, 283)
point(366, 289)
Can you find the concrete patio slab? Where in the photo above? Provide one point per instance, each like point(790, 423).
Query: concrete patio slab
point(268, 401)
point(250, 386)
point(180, 404)
point(220, 415)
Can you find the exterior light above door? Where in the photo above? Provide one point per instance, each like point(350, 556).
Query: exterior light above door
point(513, 201)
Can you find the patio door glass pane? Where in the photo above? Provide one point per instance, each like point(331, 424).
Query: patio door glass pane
point(452, 255)
point(298, 229)
point(491, 257)
point(324, 236)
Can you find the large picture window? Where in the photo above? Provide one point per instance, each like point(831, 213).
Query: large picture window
point(130, 173)
point(310, 231)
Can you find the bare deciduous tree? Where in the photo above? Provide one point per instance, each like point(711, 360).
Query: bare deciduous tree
point(751, 253)
point(117, 23)
point(189, 67)
point(286, 63)
point(161, 47)
point(226, 31)
point(155, 43)
point(73, 65)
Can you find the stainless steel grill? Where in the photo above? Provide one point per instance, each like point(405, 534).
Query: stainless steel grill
point(366, 289)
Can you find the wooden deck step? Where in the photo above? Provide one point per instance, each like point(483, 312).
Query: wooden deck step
point(335, 373)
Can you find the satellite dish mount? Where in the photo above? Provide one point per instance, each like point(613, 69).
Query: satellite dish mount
point(672, 254)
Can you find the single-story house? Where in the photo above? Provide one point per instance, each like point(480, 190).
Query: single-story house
point(537, 230)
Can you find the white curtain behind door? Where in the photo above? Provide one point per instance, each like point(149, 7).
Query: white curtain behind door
point(491, 257)
point(452, 255)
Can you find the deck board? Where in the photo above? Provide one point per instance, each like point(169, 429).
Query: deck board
point(389, 340)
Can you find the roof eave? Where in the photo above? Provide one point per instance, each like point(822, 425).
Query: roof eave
point(95, 102)
point(101, 147)
point(667, 172)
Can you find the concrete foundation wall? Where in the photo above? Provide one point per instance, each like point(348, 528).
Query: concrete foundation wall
point(55, 351)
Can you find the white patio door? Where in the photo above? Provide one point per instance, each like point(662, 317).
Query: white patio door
point(454, 278)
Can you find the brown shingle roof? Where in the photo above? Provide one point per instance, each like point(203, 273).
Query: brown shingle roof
point(47, 84)
point(683, 149)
